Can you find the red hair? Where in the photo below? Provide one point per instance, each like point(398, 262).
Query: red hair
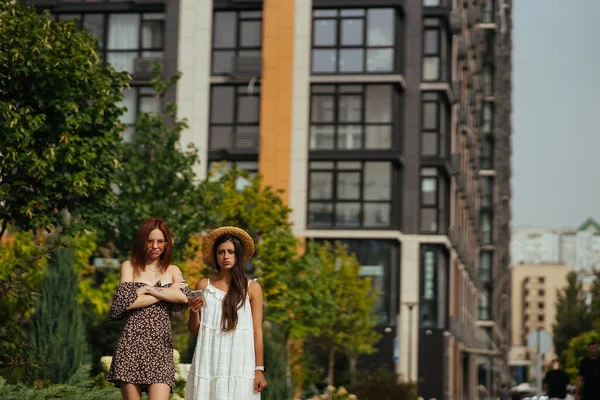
point(138, 250)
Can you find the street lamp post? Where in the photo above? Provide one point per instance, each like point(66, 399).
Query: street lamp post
point(410, 305)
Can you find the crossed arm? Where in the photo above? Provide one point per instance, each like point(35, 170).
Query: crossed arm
point(148, 295)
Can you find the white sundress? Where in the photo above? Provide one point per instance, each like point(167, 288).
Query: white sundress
point(223, 363)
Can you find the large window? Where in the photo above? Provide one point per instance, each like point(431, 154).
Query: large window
point(235, 34)
point(485, 266)
point(379, 261)
point(350, 194)
point(433, 287)
point(435, 122)
point(352, 117)
point(217, 169)
point(485, 305)
point(234, 119)
point(486, 156)
point(435, 51)
point(487, 192)
point(488, 81)
point(487, 117)
point(485, 227)
point(123, 37)
point(487, 16)
point(434, 194)
point(354, 40)
point(137, 100)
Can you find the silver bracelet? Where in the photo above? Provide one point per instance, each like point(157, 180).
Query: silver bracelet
point(260, 368)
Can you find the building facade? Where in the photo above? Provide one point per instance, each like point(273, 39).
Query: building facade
point(578, 247)
point(386, 123)
point(534, 296)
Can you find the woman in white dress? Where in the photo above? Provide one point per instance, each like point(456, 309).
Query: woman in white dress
point(228, 361)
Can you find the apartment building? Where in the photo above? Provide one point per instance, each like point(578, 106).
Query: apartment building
point(578, 247)
point(534, 296)
point(387, 125)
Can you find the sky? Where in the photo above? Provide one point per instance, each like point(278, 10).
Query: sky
point(556, 112)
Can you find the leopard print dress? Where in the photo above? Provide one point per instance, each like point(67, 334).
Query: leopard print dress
point(144, 352)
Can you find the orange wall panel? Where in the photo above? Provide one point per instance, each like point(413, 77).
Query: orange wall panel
point(276, 94)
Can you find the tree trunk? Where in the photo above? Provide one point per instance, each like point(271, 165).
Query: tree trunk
point(352, 358)
point(331, 366)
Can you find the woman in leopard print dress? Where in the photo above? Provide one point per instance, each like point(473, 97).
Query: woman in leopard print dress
point(151, 291)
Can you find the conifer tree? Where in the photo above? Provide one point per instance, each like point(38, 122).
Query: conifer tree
point(57, 329)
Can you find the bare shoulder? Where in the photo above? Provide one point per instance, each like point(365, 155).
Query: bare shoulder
point(202, 284)
point(254, 289)
point(175, 272)
point(126, 271)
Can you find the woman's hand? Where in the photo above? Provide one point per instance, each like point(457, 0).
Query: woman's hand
point(179, 285)
point(260, 383)
point(197, 303)
point(142, 290)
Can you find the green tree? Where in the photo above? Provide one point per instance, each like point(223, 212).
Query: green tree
point(577, 349)
point(595, 305)
point(57, 330)
point(243, 201)
point(157, 178)
point(234, 197)
point(348, 324)
point(59, 118)
point(17, 248)
point(572, 314)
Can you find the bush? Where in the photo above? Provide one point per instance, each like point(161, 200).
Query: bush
point(78, 387)
point(382, 384)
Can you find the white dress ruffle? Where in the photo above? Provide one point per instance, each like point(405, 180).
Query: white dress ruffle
point(223, 363)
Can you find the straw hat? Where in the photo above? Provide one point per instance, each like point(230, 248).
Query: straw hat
point(211, 238)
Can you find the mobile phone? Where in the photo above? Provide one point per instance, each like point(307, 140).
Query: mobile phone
point(195, 294)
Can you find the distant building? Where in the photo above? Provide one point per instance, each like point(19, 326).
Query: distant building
point(533, 305)
point(578, 247)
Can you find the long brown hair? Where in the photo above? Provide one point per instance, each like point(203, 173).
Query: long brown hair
point(138, 250)
point(238, 290)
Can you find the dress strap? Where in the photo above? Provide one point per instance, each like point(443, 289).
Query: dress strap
point(208, 280)
point(250, 281)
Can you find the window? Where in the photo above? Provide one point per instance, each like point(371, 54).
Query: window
point(235, 34)
point(487, 16)
point(124, 37)
point(540, 305)
point(435, 51)
point(488, 81)
point(352, 117)
point(541, 279)
point(434, 123)
point(485, 227)
point(434, 195)
point(234, 119)
point(488, 53)
point(218, 170)
point(137, 100)
point(485, 266)
point(486, 156)
point(541, 292)
point(350, 194)
point(541, 318)
point(432, 3)
point(353, 40)
point(484, 305)
point(433, 286)
point(379, 261)
point(487, 118)
point(487, 192)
